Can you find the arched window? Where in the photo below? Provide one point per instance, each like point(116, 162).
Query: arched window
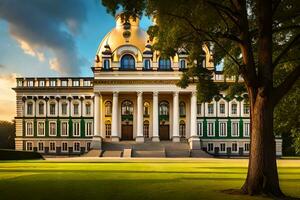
point(88, 109)
point(182, 108)
point(53, 109)
point(106, 64)
point(182, 129)
point(182, 64)
point(127, 62)
point(164, 64)
point(41, 108)
point(146, 109)
point(164, 108)
point(127, 108)
point(107, 129)
point(146, 129)
point(147, 64)
point(29, 108)
point(108, 108)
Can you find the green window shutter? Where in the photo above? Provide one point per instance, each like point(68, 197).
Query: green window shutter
point(24, 127)
point(47, 128)
point(229, 128)
point(35, 127)
point(58, 128)
point(82, 128)
point(70, 127)
point(217, 128)
point(241, 128)
point(204, 128)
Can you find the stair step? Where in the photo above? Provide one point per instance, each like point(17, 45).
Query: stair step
point(200, 154)
point(149, 154)
point(178, 153)
point(93, 153)
point(127, 153)
point(107, 153)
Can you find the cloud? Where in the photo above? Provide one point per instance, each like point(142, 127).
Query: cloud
point(48, 25)
point(7, 96)
point(2, 66)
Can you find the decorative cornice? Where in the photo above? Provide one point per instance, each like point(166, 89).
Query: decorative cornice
point(113, 82)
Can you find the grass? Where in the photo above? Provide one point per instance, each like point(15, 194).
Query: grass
point(167, 179)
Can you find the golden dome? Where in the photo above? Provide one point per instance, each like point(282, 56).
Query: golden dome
point(124, 34)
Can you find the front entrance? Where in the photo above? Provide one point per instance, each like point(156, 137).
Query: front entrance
point(164, 132)
point(127, 132)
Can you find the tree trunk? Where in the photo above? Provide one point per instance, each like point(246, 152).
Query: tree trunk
point(262, 176)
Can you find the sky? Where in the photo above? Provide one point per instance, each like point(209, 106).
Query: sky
point(48, 38)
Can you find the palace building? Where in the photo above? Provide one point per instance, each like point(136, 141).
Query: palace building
point(131, 97)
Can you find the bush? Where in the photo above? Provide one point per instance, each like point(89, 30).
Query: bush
point(6, 154)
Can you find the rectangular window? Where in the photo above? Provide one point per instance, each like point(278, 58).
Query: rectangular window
point(246, 129)
point(246, 108)
point(222, 147)
point(64, 108)
point(76, 109)
point(87, 83)
point(30, 83)
point(210, 146)
point(88, 146)
point(64, 147)
point(247, 147)
point(222, 108)
point(29, 146)
point(20, 83)
point(29, 129)
point(64, 83)
point(199, 109)
point(200, 129)
point(234, 108)
point(52, 147)
point(146, 130)
point(223, 129)
point(75, 83)
point(41, 108)
point(76, 147)
point(41, 83)
point(210, 129)
point(107, 130)
point(52, 129)
point(30, 108)
point(210, 109)
point(106, 64)
point(235, 129)
point(234, 147)
point(52, 83)
point(52, 108)
point(88, 109)
point(89, 128)
point(76, 129)
point(41, 146)
point(64, 129)
point(41, 129)
point(147, 64)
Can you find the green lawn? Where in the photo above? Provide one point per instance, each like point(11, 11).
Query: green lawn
point(166, 179)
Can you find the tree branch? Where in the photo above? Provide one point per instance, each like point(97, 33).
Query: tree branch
point(286, 85)
point(285, 50)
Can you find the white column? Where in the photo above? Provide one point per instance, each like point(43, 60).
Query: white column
point(155, 123)
point(140, 118)
point(194, 140)
point(175, 136)
point(96, 141)
point(114, 128)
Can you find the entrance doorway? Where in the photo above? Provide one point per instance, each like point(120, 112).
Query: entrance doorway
point(164, 132)
point(127, 132)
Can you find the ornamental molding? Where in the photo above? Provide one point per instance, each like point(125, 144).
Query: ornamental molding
point(136, 82)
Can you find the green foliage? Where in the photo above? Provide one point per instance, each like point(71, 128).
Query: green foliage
point(18, 155)
point(7, 135)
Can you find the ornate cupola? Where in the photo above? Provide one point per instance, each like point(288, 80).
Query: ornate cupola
point(148, 50)
point(107, 51)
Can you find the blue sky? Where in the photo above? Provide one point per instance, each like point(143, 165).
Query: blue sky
point(48, 38)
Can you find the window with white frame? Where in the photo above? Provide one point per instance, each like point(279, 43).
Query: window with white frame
point(210, 146)
point(29, 146)
point(76, 109)
point(30, 83)
point(107, 129)
point(64, 83)
point(89, 128)
point(52, 83)
point(88, 146)
point(88, 109)
point(29, 108)
point(200, 128)
point(223, 129)
point(64, 108)
point(52, 128)
point(246, 129)
point(87, 83)
point(75, 83)
point(52, 146)
point(147, 64)
point(64, 129)
point(29, 129)
point(52, 108)
point(41, 146)
point(234, 147)
point(76, 129)
point(246, 108)
point(41, 129)
point(41, 108)
point(222, 108)
point(20, 83)
point(41, 83)
point(76, 147)
point(210, 108)
point(64, 146)
point(234, 108)
point(106, 64)
point(199, 108)
point(210, 129)
point(235, 129)
point(247, 147)
point(222, 147)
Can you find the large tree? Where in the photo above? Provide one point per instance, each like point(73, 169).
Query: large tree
point(255, 38)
